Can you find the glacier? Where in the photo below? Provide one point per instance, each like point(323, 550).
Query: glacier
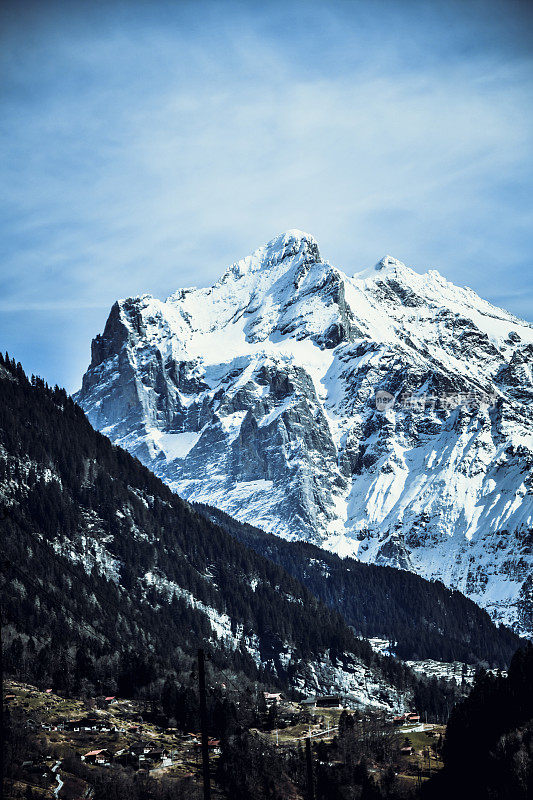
point(385, 415)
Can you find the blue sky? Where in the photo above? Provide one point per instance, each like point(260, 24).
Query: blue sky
point(146, 145)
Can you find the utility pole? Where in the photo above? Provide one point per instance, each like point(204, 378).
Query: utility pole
point(2, 735)
point(4, 564)
point(310, 786)
point(203, 722)
point(3, 515)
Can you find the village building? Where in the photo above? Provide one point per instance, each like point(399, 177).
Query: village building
point(122, 756)
point(157, 755)
point(102, 756)
point(329, 701)
point(213, 745)
point(272, 697)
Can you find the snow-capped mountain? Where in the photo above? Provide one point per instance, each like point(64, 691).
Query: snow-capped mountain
point(385, 415)
point(103, 560)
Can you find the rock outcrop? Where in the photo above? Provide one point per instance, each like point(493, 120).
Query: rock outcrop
point(385, 415)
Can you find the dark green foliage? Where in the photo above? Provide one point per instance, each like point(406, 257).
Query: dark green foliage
point(343, 770)
point(78, 504)
point(252, 768)
point(488, 748)
point(426, 619)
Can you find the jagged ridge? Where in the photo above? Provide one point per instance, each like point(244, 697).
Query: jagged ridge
point(258, 396)
point(104, 558)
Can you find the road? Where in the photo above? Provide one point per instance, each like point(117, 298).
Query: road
point(60, 782)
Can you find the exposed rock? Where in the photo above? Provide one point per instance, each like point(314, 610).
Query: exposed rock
point(258, 395)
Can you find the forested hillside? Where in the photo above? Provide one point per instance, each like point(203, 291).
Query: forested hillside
point(112, 579)
point(260, 395)
point(488, 749)
point(424, 618)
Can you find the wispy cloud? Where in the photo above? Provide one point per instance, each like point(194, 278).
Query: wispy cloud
point(146, 145)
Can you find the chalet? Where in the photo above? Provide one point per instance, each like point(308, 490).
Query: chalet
point(98, 757)
point(156, 755)
point(134, 756)
point(213, 745)
point(406, 751)
point(9, 697)
point(272, 697)
point(125, 757)
point(408, 719)
point(329, 701)
point(110, 700)
point(309, 702)
point(139, 749)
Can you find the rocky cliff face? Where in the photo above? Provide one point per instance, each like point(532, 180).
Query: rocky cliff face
point(386, 415)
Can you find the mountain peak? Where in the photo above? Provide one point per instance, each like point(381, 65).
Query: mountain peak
point(258, 395)
point(388, 262)
point(388, 265)
point(291, 242)
point(288, 245)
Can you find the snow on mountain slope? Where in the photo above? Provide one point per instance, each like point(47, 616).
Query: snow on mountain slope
point(258, 395)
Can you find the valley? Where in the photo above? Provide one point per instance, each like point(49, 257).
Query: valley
point(72, 748)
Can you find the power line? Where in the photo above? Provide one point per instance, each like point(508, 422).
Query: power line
point(309, 766)
point(203, 722)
